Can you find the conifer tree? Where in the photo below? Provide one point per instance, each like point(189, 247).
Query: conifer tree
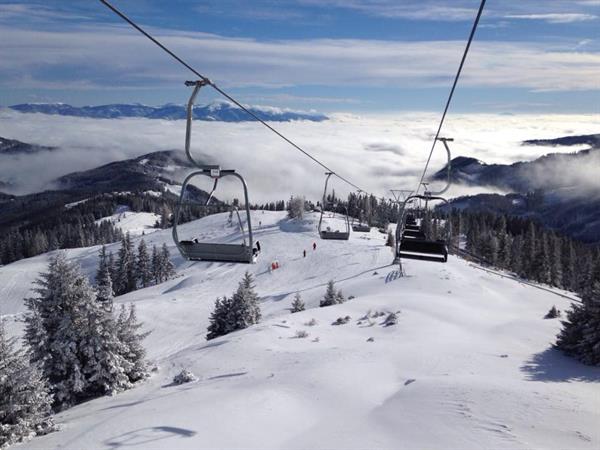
point(556, 270)
point(156, 265)
point(143, 265)
point(298, 304)
point(24, 395)
point(131, 338)
point(104, 285)
point(339, 297)
point(218, 321)
point(245, 309)
point(168, 269)
point(72, 336)
point(125, 280)
point(236, 313)
point(330, 297)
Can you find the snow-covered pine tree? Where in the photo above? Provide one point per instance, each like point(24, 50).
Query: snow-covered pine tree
point(235, 313)
point(143, 265)
point(24, 395)
point(571, 335)
point(101, 354)
point(72, 336)
point(128, 332)
point(104, 285)
point(589, 348)
point(125, 267)
point(556, 270)
point(295, 207)
point(156, 266)
point(339, 297)
point(245, 310)
point(330, 297)
point(528, 268)
point(298, 304)
point(168, 269)
point(112, 267)
point(218, 321)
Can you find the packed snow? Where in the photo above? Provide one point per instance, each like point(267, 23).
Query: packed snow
point(468, 365)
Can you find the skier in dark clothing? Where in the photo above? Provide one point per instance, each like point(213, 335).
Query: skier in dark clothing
point(304, 253)
point(314, 245)
point(258, 245)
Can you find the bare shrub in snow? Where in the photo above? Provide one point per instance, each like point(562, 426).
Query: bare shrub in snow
point(391, 319)
point(185, 376)
point(341, 320)
point(301, 334)
point(311, 323)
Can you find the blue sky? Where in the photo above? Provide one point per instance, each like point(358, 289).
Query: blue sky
point(327, 55)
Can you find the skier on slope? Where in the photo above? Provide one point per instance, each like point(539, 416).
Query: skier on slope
point(314, 246)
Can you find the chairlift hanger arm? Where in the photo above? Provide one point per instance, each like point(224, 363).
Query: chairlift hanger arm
point(454, 84)
point(207, 81)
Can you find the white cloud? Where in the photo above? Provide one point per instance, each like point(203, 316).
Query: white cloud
point(555, 17)
point(376, 152)
point(117, 58)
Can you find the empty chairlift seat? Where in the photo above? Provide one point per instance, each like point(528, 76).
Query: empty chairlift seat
point(242, 252)
point(436, 251)
point(206, 251)
point(328, 233)
point(361, 227)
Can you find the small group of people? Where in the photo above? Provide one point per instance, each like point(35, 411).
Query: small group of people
point(314, 246)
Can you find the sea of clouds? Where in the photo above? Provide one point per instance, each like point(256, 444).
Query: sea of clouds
point(376, 152)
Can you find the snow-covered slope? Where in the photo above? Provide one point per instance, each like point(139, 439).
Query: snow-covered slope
point(134, 223)
point(468, 365)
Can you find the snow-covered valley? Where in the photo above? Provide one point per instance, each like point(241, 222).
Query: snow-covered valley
point(469, 364)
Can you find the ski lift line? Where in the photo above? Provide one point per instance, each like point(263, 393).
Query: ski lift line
point(206, 80)
point(456, 78)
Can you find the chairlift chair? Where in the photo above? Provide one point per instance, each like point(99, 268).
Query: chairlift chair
point(327, 233)
point(411, 242)
point(243, 252)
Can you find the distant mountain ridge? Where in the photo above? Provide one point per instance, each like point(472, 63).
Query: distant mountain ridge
point(216, 111)
point(546, 172)
point(555, 189)
point(14, 147)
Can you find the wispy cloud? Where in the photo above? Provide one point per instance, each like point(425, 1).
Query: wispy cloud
point(102, 56)
point(554, 17)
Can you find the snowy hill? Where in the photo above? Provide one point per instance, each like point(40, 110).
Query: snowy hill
point(468, 365)
point(215, 111)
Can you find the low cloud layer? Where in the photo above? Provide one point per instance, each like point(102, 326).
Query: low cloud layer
point(376, 152)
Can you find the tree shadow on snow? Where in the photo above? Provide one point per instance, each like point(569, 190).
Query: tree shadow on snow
point(143, 436)
point(552, 365)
